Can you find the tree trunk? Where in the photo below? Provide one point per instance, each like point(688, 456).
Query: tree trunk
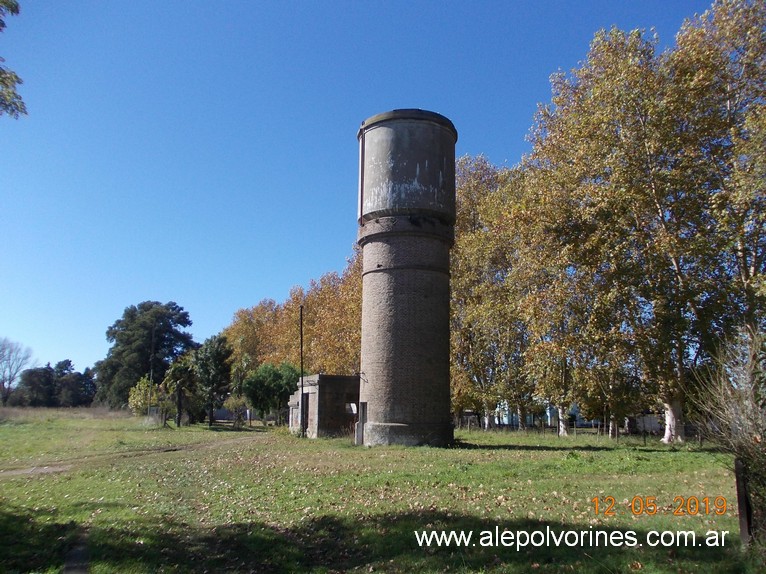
point(613, 426)
point(210, 417)
point(522, 414)
point(487, 418)
point(674, 424)
point(563, 421)
point(178, 405)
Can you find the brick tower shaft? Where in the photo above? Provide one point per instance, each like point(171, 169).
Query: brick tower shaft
point(406, 229)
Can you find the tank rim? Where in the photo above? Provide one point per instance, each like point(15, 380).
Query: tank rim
point(407, 114)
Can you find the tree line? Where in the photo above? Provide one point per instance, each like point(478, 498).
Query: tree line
point(57, 386)
point(154, 365)
point(611, 264)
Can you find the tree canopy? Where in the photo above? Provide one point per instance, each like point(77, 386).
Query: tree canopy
point(58, 386)
point(145, 341)
point(212, 367)
point(269, 387)
point(269, 332)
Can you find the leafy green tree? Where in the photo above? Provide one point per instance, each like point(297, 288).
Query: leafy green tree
point(10, 101)
point(38, 387)
point(180, 382)
point(145, 395)
point(269, 387)
point(142, 396)
point(212, 364)
point(237, 406)
point(145, 341)
point(76, 389)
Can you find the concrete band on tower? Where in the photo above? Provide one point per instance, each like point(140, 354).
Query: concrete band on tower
point(406, 228)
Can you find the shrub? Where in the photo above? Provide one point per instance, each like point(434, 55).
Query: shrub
point(237, 406)
point(731, 410)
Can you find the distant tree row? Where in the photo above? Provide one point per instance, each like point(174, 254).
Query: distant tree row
point(58, 386)
point(154, 363)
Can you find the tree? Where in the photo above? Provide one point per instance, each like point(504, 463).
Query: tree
point(270, 386)
point(141, 396)
point(213, 368)
point(476, 351)
point(10, 101)
point(75, 389)
point(641, 177)
point(13, 359)
point(180, 382)
point(58, 386)
point(237, 406)
point(249, 335)
point(490, 336)
point(592, 220)
point(145, 341)
point(38, 387)
point(719, 90)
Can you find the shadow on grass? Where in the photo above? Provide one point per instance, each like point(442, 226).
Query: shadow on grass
point(33, 541)
point(328, 543)
point(228, 427)
point(463, 444)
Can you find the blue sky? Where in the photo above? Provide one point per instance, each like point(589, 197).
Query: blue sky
point(205, 152)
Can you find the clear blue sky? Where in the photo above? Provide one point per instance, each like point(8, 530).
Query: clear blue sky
point(206, 152)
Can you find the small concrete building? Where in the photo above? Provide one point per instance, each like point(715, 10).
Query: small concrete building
point(331, 405)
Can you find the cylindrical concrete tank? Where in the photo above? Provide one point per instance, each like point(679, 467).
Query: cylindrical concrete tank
point(406, 218)
point(407, 165)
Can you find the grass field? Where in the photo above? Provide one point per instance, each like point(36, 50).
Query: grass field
point(145, 499)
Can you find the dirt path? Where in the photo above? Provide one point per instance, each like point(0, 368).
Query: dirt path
point(35, 470)
point(69, 464)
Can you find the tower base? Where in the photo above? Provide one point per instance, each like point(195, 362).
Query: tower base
point(377, 434)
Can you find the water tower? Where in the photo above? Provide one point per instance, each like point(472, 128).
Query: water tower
point(406, 229)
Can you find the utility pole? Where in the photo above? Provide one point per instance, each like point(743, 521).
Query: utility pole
point(303, 402)
point(151, 370)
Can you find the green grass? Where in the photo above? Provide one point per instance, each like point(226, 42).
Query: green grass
point(191, 500)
